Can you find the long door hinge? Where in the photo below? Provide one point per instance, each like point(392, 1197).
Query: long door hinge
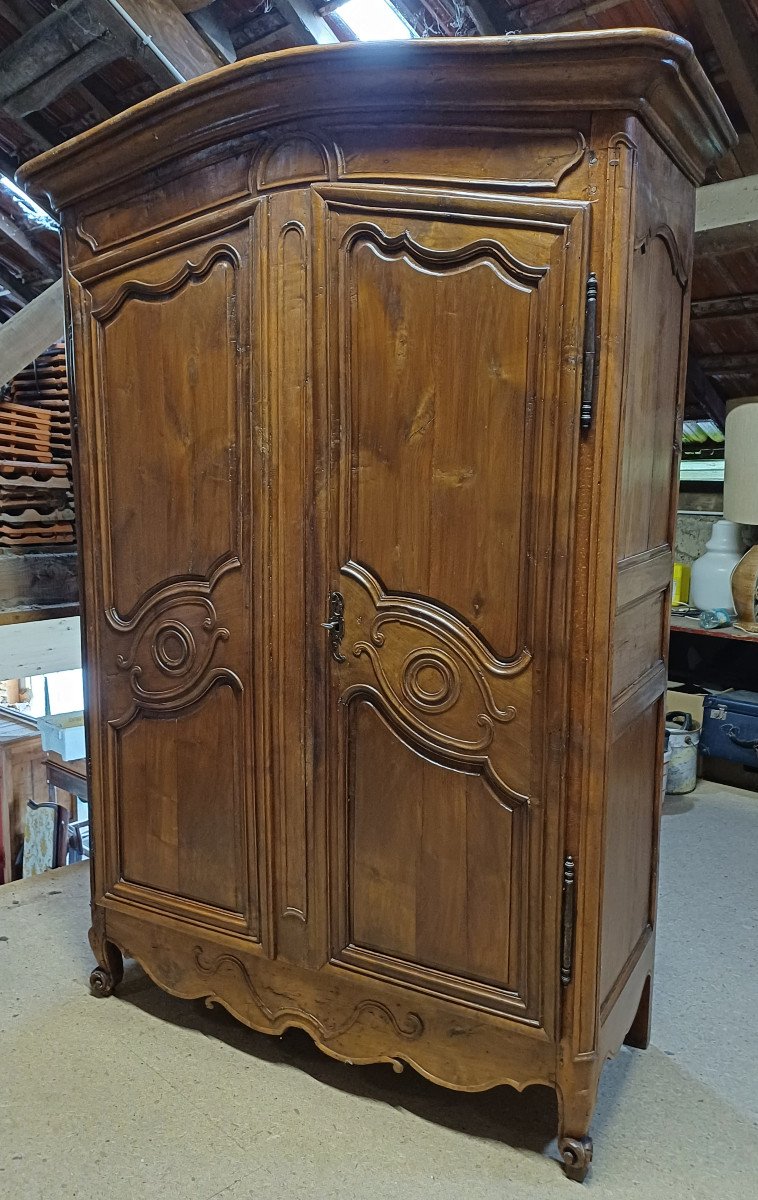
point(586, 411)
point(568, 918)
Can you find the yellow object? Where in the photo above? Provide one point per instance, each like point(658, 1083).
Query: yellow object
point(680, 592)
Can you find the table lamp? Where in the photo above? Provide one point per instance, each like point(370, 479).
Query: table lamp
point(741, 499)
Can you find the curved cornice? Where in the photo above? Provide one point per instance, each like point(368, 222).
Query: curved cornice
point(642, 71)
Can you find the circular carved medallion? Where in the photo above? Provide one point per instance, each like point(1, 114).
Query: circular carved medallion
point(173, 648)
point(431, 680)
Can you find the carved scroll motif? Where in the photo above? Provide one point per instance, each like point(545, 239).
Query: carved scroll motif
point(449, 694)
point(138, 289)
point(404, 245)
point(177, 631)
point(410, 1028)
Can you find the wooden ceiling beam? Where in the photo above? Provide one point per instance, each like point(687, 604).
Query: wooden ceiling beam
point(729, 28)
point(208, 20)
point(51, 57)
point(491, 18)
point(31, 331)
point(484, 23)
point(725, 307)
point(21, 21)
point(702, 394)
point(547, 15)
point(726, 216)
point(39, 648)
point(730, 364)
point(14, 233)
point(159, 37)
point(35, 137)
point(10, 287)
point(82, 36)
point(67, 74)
point(37, 585)
point(310, 27)
point(9, 304)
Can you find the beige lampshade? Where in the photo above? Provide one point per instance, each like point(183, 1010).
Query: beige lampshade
point(741, 461)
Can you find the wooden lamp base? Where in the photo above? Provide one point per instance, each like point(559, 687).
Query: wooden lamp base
point(745, 590)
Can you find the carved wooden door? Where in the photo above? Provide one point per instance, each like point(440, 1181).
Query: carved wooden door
point(452, 379)
point(165, 467)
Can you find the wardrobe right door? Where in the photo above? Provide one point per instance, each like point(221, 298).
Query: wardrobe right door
point(454, 327)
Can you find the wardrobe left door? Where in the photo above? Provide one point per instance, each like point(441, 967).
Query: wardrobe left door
point(171, 588)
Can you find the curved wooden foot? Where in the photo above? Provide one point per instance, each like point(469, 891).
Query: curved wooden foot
point(109, 972)
point(639, 1032)
point(577, 1094)
point(577, 1156)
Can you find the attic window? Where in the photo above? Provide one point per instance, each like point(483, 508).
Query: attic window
point(374, 21)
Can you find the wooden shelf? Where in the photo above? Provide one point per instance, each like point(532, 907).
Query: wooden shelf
point(680, 624)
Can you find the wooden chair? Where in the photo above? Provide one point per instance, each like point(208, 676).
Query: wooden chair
point(45, 838)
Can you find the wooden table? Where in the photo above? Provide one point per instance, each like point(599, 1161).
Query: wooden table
point(69, 777)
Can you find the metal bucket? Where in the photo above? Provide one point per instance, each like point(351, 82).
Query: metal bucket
point(683, 738)
point(666, 761)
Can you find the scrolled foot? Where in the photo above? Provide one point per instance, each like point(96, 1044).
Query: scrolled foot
point(102, 982)
point(109, 971)
point(577, 1156)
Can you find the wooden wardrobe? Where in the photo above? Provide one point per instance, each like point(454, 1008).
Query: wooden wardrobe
point(378, 360)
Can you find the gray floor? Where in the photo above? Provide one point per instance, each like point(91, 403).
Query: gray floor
point(147, 1097)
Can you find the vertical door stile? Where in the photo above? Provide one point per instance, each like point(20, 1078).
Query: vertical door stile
point(262, 519)
point(292, 504)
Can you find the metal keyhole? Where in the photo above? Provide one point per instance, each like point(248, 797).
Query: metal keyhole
point(336, 625)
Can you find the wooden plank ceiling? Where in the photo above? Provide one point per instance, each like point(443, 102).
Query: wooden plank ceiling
point(66, 66)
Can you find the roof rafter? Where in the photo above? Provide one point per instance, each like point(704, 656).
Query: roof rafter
point(82, 36)
point(51, 56)
point(160, 37)
point(309, 25)
point(727, 24)
point(703, 394)
point(730, 364)
point(14, 233)
point(724, 307)
point(15, 288)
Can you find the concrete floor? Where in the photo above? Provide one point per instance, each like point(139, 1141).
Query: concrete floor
point(150, 1098)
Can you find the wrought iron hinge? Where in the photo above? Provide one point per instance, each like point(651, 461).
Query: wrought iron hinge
point(586, 411)
point(567, 919)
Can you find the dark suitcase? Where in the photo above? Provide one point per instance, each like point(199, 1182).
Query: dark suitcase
point(730, 727)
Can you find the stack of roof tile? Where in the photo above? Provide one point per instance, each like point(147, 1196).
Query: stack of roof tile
point(36, 488)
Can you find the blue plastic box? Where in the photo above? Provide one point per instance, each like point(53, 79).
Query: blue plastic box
point(730, 727)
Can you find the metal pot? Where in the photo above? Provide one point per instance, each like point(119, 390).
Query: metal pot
point(683, 739)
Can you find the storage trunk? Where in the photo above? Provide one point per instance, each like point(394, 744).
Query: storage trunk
point(730, 727)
